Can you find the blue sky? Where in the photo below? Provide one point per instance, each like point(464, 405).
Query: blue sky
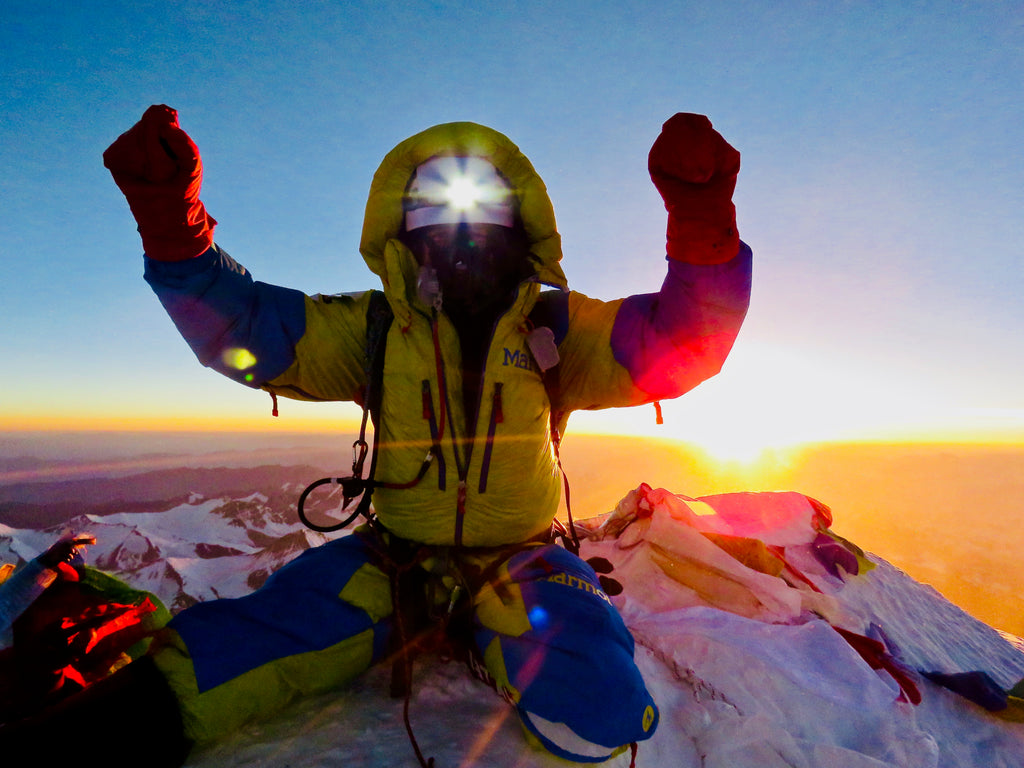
point(882, 187)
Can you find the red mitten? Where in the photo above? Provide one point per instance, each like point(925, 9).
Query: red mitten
point(695, 171)
point(158, 169)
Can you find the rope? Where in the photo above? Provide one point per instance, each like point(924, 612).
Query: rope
point(401, 670)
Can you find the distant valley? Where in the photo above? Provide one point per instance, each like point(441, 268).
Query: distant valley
point(43, 504)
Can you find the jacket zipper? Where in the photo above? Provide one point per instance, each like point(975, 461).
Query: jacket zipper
point(497, 417)
point(435, 435)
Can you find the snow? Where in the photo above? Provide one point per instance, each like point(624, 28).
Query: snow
point(734, 690)
point(756, 678)
point(722, 707)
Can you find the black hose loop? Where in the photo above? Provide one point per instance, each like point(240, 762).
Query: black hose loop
point(316, 526)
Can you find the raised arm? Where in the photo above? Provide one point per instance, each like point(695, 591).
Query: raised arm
point(664, 344)
point(250, 331)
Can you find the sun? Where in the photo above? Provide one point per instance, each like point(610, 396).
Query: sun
point(769, 399)
point(741, 448)
point(772, 398)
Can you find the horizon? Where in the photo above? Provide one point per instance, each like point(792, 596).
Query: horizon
point(950, 514)
point(55, 432)
point(346, 417)
point(64, 445)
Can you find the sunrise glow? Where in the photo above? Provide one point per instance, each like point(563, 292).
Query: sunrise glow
point(770, 398)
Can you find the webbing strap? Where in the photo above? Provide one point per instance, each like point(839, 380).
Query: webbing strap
point(571, 541)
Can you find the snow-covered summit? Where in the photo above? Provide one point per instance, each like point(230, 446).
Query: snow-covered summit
point(737, 604)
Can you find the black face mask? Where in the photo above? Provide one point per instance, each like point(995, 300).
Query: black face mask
point(478, 266)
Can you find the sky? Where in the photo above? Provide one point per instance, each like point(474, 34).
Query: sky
point(882, 190)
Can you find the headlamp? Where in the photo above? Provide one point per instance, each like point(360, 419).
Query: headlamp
point(456, 190)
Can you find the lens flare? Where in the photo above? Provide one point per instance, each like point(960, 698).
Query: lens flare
point(538, 618)
point(239, 358)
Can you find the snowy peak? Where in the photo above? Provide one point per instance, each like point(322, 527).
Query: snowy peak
point(199, 549)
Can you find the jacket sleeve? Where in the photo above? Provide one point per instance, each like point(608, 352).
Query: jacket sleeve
point(654, 346)
point(259, 334)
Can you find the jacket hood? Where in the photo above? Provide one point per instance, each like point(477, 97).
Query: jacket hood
point(393, 262)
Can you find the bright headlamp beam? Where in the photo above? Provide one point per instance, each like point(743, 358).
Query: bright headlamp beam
point(462, 193)
point(453, 190)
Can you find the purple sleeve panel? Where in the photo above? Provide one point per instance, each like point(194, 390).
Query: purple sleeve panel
point(673, 340)
point(244, 329)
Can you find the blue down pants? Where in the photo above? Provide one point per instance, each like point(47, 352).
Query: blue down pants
point(542, 630)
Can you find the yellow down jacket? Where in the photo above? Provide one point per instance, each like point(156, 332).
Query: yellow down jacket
point(494, 478)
